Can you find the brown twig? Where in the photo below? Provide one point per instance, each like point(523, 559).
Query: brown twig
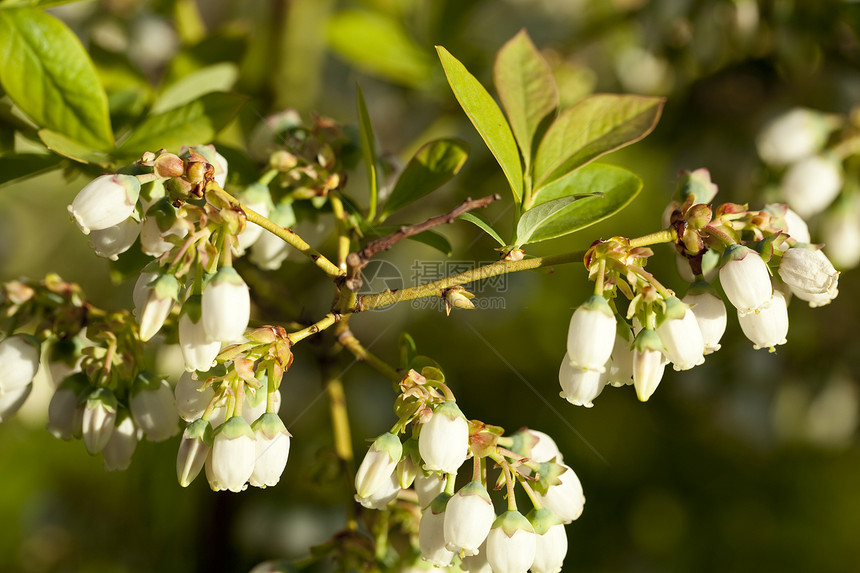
point(357, 261)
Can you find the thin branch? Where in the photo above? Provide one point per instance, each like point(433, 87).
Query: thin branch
point(357, 261)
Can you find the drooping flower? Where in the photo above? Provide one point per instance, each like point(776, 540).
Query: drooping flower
point(123, 441)
point(550, 543)
point(841, 233)
point(113, 241)
point(98, 419)
point(745, 279)
point(19, 361)
point(680, 334)
point(444, 439)
point(193, 451)
point(431, 533)
point(580, 387)
point(384, 495)
point(511, 543)
point(811, 184)
point(768, 327)
point(192, 396)
point(378, 464)
point(792, 136)
point(231, 461)
point(591, 335)
point(565, 499)
point(810, 275)
point(198, 351)
point(710, 313)
point(153, 407)
point(161, 295)
point(649, 362)
point(536, 446)
point(428, 486)
point(105, 201)
point(620, 367)
point(272, 448)
point(226, 306)
point(66, 409)
point(11, 402)
point(468, 518)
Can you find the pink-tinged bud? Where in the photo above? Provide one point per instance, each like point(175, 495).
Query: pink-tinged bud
point(468, 518)
point(19, 361)
point(792, 136)
point(113, 241)
point(649, 362)
point(768, 327)
point(272, 447)
point(98, 419)
point(745, 279)
point(160, 296)
point(226, 306)
point(810, 185)
point(810, 275)
point(511, 543)
point(591, 335)
point(198, 351)
point(153, 407)
point(550, 543)
point(681, 336)
point(565, 499)
point(431, 533)
point(710, 313)
point(444, 440)
point(580, 387)
point(122, 444)
point(106, 201)
point(378, 465)
point(231, 461)
point(193, 451)
point(192, 397)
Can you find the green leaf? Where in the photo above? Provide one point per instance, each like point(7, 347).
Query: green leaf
point(368, 149)
point(591, 128)
point(33, 3)
point(215, 78)
point(487, 118)
point(434, 240)
point(49, 76)
point(431, 167)
point(408, 349)
point(564, 210)
point(17, 166)
point(193, 123)
point(481, 222)
point(526, 87)
point(62, 145)
point(378, 44)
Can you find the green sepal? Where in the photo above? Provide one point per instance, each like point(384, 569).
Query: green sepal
point(673, 309)
point(78, 383)
point(475, 488)
point(145, 381)
point(696, 184)
point(193, 308)
point(547, 474)
point(164, 213)
point(439, 503)
point(543, 519)
point(449, 409)
point(104, 398)
point(702, 287)
point(390, 444)
point(597, 302)
point(199, 429)
point(226, 275)
point(646, 340)
point(235, 427)
point(166, 286)
point(512, 521)
point(270, 425)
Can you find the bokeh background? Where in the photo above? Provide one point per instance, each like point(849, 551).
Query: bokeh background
point(747, 463)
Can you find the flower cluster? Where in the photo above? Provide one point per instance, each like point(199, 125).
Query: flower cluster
point(461, 525)
point(763, 257)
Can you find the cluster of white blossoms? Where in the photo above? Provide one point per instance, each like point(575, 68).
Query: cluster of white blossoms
point(758, 276)
point(809, 148)
point(460, 526)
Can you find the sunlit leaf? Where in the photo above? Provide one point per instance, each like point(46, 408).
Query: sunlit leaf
point(62, 145)
point(18, 166)
point(368, 149)
point(215, 78)
point(481, 222)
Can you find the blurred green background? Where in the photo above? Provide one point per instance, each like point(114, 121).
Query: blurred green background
point(747, 463)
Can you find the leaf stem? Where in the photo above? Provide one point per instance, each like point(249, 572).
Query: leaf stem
point(316, 327)
point(664, 236)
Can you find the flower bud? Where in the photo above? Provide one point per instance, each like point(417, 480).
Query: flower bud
point(384, 495)
point(444, 440)
point(768, 327)
point(19, 361)
point(231, 461)
point(98, 419)
point(591, 335)
point(580, 387)
point(113, 241)
point(226, 306)
point(378, 464)
point(431, 533)
point(11, 401)
point(793, 136)
point(710, 313)
point(153, 406)
point(161, 295)
point(468, 518)
point(272, 448)
point(198, 351)
point(106, 201)
point(681, 336)
point(65, 411)
point(810, 185)
point(193, 451)
point(192, 397)
point(511, 543)
point(550, 543)
point(745, 279)
point(649, 362)
point(810, 275)
point(565, 499)
point(123, 441)
point(406, 470)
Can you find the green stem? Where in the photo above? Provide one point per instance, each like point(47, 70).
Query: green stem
point(436, 288)
point(664, 236)
point(535, 499)
point(348, 340)
point(316, 327)
point(450, 482)
point(342, 230)
point(509, 482)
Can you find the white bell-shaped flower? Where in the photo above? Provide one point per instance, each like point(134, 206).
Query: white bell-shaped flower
point(380, 499)
point(566, 498)
point(810, 275)
point(114, 241)
point(406, 470)
point(106, 201)
point(768, 327)
point(11, 402)
point(550, 541)
point(142, 287)
point(193, 451)
point(468, 518)
point(792, 136)
point(681, 336)
point(192, 396)
point(591, 335)
point(98, 419)
point(536, 446)
point(198, 350)
point(476, 563)
point(256, 403)
point(428, 486)
point(226, 306)
point(231, 461)
point(511, 543)
point(444, 439)
point(378, 464)
point(649, 362)
point(66, 409)
point(620, 367)
point(431, 533)
point(122, 444)
point(161, 295)
point(161, 222)
point(745, 279)
point(256, 198)
point(810, 185)
point(272, 447)
point(580, 387)
point(840, 230)
point(19, 361)
point(269, 251)
point(710, 313)
point(153, 407)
